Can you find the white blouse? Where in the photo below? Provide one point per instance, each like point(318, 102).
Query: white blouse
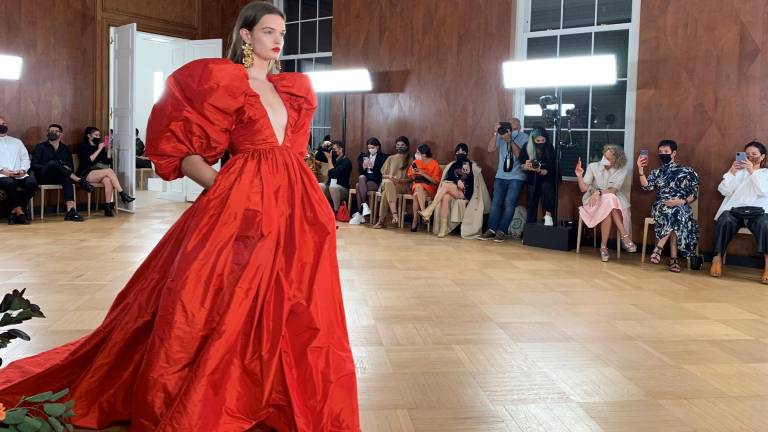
point(13, 154)
point(743, 190)
point(597, 177)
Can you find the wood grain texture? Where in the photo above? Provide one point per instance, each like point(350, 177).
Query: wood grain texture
point(436, 67)
point(701, 75)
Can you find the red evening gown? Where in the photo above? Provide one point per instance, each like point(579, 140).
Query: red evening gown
point(236, 318)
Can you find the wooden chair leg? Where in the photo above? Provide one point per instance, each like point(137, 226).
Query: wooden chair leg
point(32, 208)
point(618, 244)
point(645, 240)
point(58, 199)
point(114, 200)
point(89, 204)
point(42, 205)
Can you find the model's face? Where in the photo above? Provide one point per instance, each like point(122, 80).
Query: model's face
point(753, 154)
point(266, 37)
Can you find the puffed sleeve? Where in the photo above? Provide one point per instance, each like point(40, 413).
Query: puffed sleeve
point(303, 102)
point(195, 114)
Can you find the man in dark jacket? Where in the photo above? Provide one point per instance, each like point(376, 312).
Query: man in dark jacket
point(336, 188)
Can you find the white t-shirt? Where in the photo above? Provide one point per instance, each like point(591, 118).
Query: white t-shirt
point(742, 190)
point(13, 155)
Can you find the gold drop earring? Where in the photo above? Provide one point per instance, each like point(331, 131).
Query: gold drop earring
point(247, 55)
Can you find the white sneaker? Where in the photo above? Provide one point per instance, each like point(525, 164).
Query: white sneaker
point(366, 210)
point(548, 221)
point(357, 219)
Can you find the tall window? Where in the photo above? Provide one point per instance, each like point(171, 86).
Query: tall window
point(308, 47)
point(565, 28)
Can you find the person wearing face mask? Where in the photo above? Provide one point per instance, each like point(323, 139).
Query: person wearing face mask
point(369, 166)
point(538, 160)
point(425, 174)
point(676, 188)
point(604, 202)
point(141, 160)
point(14, 166)
point(96, 167)
point(394, 181)
point(458, 183)
point(745, 188)
point(52, 164)
point(340, 168)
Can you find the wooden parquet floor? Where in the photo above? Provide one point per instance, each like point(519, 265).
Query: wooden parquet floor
point(458, 335)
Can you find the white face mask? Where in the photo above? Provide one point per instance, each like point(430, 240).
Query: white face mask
point(372, 152)
point(417, 156)
point(605, 162)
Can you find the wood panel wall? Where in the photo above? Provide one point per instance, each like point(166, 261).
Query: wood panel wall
point(436, 68)
point(701, 82)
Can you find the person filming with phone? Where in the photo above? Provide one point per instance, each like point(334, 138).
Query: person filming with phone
point(425, 174)
point(745, 188)
point(95, 157)
point(677, 187)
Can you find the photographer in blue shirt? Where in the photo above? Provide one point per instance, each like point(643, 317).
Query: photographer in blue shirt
point(508, 140)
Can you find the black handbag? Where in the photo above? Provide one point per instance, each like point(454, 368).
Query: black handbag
point(747, 212)
point(696, 262)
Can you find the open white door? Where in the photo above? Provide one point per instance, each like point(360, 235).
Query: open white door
point(123, 43)
point(199, 49)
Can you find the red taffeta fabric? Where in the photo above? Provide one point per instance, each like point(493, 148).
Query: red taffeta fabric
point(235, 319)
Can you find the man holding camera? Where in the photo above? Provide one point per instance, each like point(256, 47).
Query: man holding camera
point(508, 139)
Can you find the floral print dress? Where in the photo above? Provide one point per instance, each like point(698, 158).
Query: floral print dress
point(674, 181)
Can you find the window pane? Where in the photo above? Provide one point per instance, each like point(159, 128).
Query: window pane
point(545, 15)
point(544, 47)
point(617, 43)
point(532, 117)
point(323, 113)
point(324, 34)
point(323, 63)
point(601, 138)
point(289, 65)
point(291, 10)
point(326, 8)
point(570, 155)
point(579, 98)
point(614, 11)
point(291, 46)
point(576, 45)
point(609, 105)
point(578, 13)
point(308, 9)
point(308, 37)
point(305, 65)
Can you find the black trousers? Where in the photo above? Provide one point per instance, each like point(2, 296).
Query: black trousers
point(727, 225)
point(17, 198)
point(58, 174)
point(544, 191)
point(143, 163)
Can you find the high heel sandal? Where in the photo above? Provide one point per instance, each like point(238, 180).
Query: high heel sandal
point(674, 266)
point(656, 255)
point(628, 245)
point(604, 254)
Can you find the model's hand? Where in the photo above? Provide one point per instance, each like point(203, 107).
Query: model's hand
point(593, 200)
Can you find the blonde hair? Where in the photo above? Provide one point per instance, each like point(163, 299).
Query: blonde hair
point(619, 157)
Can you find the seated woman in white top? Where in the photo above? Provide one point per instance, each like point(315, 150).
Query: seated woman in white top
point(745, 188)
point(604, 202)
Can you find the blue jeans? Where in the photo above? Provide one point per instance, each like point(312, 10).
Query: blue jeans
point(505, 193)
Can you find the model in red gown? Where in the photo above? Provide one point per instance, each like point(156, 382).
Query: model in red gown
point(235, 319)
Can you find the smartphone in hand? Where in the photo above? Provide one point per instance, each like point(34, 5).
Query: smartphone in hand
point(741, 156)
point(644, 153)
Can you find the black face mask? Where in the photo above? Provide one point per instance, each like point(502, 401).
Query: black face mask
point(3, 129)
point(97, 141)
point(402, 150)
point(665, 158)
point(461, 157)
point(53, 136)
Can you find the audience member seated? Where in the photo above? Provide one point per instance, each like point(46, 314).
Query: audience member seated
point(509, 180)
point(52, 165)
point(458, 182)
point(369, 166)
point(745, 188)
point(425, 174)
point(394, 181)
point(14, 166)
point(95, 159)
point(604, 202)
point(318, 162)
point(677, 187)
point(141, 160)
point(336, 187)
point(538, 159)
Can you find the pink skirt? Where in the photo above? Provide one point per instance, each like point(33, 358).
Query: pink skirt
point(592, 216)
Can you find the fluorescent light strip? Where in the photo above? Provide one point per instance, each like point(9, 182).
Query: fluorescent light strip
point(349, 80)
point(10, 67)
point(535, 110)
point(158, 85)
point(560, 72)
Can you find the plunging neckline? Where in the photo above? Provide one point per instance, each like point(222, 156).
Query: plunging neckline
point(285, 107)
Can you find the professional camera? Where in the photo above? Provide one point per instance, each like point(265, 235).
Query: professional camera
point(504, 127)
point(326, 146)
point(536, 164)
